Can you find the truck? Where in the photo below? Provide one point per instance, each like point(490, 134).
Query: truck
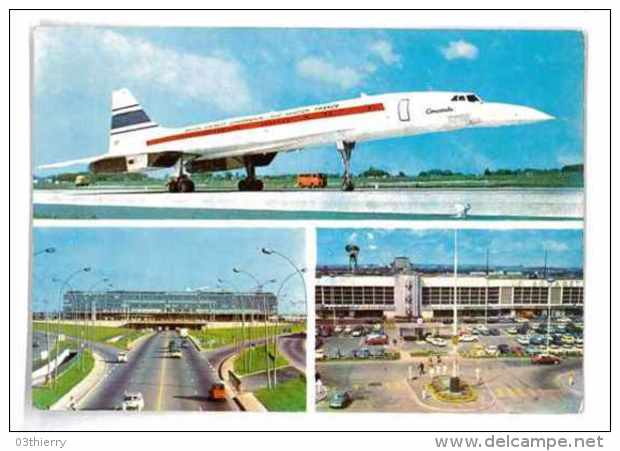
point(82, 180)
point(311, 180)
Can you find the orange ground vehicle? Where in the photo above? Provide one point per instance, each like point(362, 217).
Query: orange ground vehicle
point(312, 180)
point(217, 392)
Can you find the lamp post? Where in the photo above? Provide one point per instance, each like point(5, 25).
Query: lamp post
point(269, 251)
point(85, 321)
point(455, 337)
point(60, 292)
point(550, 282)
point(241, 312)
point(259, 288)
point(275, 331)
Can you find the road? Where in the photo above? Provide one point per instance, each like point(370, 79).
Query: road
point(294, 349)
point(166, 383)
point(422, 203)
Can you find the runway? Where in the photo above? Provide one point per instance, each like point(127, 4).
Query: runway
point(408, 204)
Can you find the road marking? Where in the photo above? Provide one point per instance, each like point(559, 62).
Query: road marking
point(160, 393)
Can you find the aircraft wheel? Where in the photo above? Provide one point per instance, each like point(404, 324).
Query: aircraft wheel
point(242, 185)
point(173, 187)
point(186, 186)
point(258, 185)
point(348, 186)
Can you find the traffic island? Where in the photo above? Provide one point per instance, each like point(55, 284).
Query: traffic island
point(435, 395)
point(451, 390)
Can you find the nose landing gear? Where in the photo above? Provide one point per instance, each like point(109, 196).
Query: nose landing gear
point(344, 149)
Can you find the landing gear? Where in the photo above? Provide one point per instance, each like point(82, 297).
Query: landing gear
point(181, 183)
point(344, 149)
point(250, 183)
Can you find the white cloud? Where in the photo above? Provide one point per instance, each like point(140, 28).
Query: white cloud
point(383, 49)
point(352, 237)
point(324, 71)
point(370, 236)
point(460, 49)
point(217, 80)
point(373, 247)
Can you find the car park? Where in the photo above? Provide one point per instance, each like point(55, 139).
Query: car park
point(339, 400)
point(133, 401)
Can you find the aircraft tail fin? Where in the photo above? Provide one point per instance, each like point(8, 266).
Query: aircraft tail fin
point(128, 120)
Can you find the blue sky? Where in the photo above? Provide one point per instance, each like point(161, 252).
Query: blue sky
point(184, 76)
point(166, 259)
point(506, 247)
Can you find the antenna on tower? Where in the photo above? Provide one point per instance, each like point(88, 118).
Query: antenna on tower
point(487, 269)
point(545, 267)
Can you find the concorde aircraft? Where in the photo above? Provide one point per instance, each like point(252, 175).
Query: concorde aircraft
point(138, 144)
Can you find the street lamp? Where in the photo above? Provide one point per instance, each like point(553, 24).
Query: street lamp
point(550, 282)
point(455, 337)
point(269, 251)
point(259, 288)
point(60, 291)
point(90, 308)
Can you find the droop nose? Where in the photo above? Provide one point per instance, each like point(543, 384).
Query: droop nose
point(497, 114)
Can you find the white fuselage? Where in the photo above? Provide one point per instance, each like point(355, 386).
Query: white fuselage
point(361, 119)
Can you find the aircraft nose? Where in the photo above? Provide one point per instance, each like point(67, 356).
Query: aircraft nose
point(527, 114)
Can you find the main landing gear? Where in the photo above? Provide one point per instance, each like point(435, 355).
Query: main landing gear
point(344, 149)
point(181, 183)
point(250, 183)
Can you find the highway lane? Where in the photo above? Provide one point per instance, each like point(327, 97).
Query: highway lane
point(294, 349)
point(166, 383)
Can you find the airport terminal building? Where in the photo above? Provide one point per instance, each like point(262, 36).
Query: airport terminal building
point(406, 294)
point(151, 304)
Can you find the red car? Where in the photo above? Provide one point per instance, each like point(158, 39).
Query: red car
point(377, 340)
point(546, 359)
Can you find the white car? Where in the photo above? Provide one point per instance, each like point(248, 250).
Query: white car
point(491, 350)
point(337, 329)
point(356, 333)
point(319, 354)
point(523, 340)
point(121, 357)
point(348, 329)
point(468, 338)
point(439, 342)
point(521, 320)
point(133, 401)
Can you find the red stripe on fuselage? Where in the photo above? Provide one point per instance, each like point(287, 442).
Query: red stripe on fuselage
point(270, 122)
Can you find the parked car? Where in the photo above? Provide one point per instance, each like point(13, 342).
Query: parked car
point(347, 330)
point(491, 350)
point(518, 351)
point(436, 341)
point(362, 353)
point(340, 400)
point(356, 333)
point(468, 338)
point(537, 340)
point(494, 332)
point(523, 329)
point(568, 340)
point(503, 348)
point(546, 359)
point(531, 350)
point(338, 329)
point(523, 340)
point(217, 392)
point(133, 401)
point(319, 354)
point(377, 353)
point(377, 339)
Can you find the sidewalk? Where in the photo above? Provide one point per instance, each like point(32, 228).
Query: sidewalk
point(83, 388)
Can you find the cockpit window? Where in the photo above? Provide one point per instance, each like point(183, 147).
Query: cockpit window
point(467, 98)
